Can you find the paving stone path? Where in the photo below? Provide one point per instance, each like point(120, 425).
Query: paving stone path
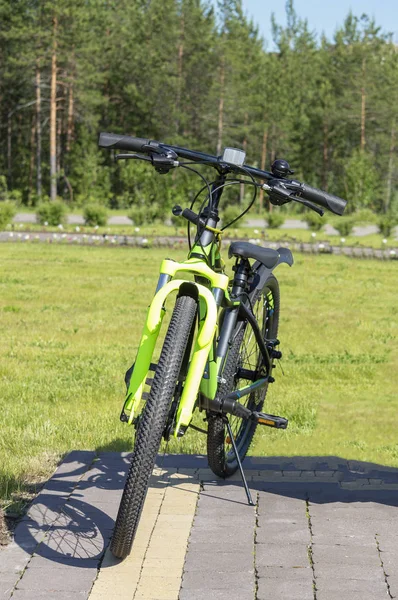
point(323, 528)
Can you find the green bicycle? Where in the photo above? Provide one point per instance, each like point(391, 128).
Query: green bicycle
point(221, 342)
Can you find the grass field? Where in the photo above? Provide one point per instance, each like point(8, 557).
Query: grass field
point(71, 318)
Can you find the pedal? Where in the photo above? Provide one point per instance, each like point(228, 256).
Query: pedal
point(270, 420)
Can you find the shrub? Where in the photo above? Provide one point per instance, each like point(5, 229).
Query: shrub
point(139, 215)
point(344, 225)
point(146, 214)
point(158, 212)
point(3, 188)
point(229, 213)
point(313, 220)
point(36, 200)
point(7, 212)
point(95, 214)
point(274, 219)
point(386, 223)
point(365, 215)
point(15, 196)
point(53, 213)
point(177, 221)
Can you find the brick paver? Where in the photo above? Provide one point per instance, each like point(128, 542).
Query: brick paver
point(322, 528)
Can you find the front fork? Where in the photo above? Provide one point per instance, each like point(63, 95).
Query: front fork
point(209, 302)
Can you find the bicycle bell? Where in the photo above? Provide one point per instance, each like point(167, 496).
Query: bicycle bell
point(281, 168)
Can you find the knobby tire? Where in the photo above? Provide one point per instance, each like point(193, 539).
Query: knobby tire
point(152, 425)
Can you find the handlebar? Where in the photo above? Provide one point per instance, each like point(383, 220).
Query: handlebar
point(280, 190)
point(122, 142)
point(333, 203)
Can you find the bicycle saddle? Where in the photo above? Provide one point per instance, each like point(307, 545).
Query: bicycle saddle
point(266, 256)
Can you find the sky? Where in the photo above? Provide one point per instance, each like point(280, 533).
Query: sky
point(322, 15)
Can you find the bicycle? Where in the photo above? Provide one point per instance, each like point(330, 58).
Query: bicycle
point(221, 343)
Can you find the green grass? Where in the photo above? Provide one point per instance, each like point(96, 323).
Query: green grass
point(71, 319)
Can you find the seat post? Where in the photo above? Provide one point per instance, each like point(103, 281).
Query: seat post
point(242, 271)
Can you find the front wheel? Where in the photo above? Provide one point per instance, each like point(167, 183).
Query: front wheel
point(243, 354)
point(152, 425)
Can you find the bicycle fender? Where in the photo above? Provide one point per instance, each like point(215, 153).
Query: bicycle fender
point(285, 256)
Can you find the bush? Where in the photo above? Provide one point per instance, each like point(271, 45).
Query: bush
point(95, 214)
point(52, 213)
point(177, 221)
point(15, 196)
point(229, 213)
point(365, 215)
point(7, 212)
point(386, 224)
point(139, 215)
point(143, 214)
point(274, 219)
point(344, 225)
point(3, 188)
point(313, 220)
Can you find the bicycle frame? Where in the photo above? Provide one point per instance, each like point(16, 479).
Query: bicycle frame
point(206, 361)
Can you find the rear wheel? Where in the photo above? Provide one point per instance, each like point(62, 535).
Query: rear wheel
point(243, 354)
point(152, 425)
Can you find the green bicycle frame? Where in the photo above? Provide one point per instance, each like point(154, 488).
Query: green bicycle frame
point(197, 377)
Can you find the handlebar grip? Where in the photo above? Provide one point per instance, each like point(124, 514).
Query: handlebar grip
point(121, 142)
point(333, 203)
point(190, 216)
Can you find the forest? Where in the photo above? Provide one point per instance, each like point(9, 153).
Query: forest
point(194, 73)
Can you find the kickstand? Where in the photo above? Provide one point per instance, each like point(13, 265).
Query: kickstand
point(249, 497)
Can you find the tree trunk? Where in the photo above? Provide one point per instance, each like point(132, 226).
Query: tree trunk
point(9, 151)
point(221, 107)
point(53, 116)
point(244, 146)
point(262, 167)
point(70, 190)
point(32, 158)
point(38, 133)
point(180, 63)
point(363, 106)
point(59, 134)
point(273, 156)
point(69, 128)
point(390, 167)
point(325, 156)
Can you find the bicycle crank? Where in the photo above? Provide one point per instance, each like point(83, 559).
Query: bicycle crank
point(230, 406)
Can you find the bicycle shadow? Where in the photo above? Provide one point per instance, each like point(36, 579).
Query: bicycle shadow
point(71, 520)
point(321, 480)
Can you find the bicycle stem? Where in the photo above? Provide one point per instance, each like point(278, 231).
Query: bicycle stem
point(206, 237)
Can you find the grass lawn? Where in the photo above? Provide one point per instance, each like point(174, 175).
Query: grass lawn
point(71, 318)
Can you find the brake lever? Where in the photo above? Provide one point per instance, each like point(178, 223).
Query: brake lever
point(164, 162)
point(277, 192)
point(308, 204)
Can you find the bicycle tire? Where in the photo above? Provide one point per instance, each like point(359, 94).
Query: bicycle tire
point(152, 425)
point(221, 458)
